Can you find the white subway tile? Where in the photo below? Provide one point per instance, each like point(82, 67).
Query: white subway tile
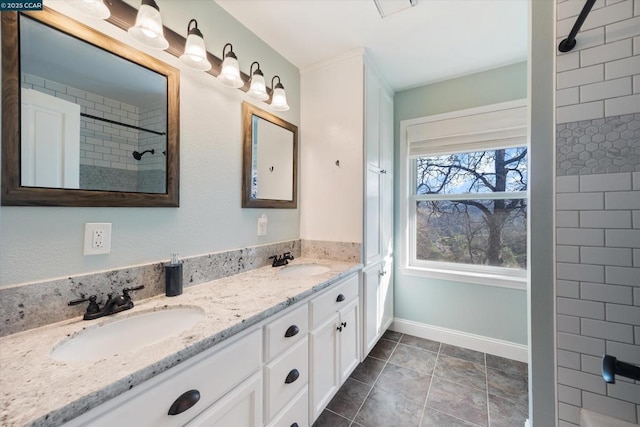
point(568, 96)
point(622, 238)
point(587, 39)
point(102, 163)
point(606, 53)
point(636, 297)
point(569, 395)
point(567, 253)
point(570, 324)
point(622, 105)
point(581, 237)
point(569, 9)
point(577, 201)
point(598, 17)
point(569, 359)
point(636, 43)
point(635, 177)
point(585, 111)
point(627, 314)
point(624, 391)
point(605, 90)
point(568, 413)
point(620, 68)
point(591, 364)
point(581, 380)
point(636, 257)
point(621, 257)
point(568, 184)
point(606, 293)
point(580, 308)
point(629, 276)
point(637, 334)
point(636, 82)
point(567, 288)
point(608, 406)
point(607, 330)
point(582, 76)
point(624, 352)
point(622, 200)
point(571, 219)
point(606, 182)
point(622, 30)
point(605, 219)
point(567, 61)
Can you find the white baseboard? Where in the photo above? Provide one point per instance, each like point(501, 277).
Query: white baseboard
point(493, 346)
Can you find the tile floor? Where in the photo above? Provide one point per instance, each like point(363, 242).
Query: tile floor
point(408, 381)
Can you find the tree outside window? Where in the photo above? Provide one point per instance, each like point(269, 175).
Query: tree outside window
point(471, 208)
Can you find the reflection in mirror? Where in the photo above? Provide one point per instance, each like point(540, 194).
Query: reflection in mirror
point(98, 120)
point(270, 160)
point(79, 129)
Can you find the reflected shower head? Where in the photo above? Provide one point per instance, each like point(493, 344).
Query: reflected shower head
point(138, 156)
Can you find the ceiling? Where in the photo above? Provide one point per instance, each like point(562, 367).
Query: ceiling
point(433, 41)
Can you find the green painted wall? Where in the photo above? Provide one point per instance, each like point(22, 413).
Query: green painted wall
point(489, 311)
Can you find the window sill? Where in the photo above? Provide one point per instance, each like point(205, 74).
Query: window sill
point(501, 281)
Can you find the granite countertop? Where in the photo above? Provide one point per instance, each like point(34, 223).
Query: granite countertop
point(37, 390)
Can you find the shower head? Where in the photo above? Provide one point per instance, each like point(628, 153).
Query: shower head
point(138, 156)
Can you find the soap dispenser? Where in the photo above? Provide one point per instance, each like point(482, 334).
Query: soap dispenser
point(173, 276)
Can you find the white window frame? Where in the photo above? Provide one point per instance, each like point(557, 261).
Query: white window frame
point(513, 136)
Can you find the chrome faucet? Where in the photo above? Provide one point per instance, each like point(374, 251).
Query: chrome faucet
point(113, 305)
point(281, 260)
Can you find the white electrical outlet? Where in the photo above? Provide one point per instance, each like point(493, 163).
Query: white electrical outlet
point(97, 238)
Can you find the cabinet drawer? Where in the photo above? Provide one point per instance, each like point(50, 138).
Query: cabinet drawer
point(282, 333)
point(212, 374)
point(295, 413)
point(285, 377)
point(333, 300)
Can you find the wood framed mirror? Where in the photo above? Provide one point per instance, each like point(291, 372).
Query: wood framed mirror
point(269, 160)
point(86, 119)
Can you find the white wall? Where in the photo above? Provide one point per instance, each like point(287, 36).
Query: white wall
point(332, 117)
point(37, 243)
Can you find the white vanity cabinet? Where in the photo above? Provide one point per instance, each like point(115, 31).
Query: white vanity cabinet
point(213, 374)
point(334, 342)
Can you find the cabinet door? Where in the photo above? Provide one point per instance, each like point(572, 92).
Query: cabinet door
point(371, 309)
point(386, 177)
point(349, 340)
point(324, 363)
point(372, 220)
point(242, 407)
point(385, 293)
point(372, 121)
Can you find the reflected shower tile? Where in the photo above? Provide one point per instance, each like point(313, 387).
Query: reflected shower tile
point(421, 361)
point(461, 371)
point(459, 401)
point(420, 342)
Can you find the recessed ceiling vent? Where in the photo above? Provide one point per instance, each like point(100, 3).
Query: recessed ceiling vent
point(389, 7)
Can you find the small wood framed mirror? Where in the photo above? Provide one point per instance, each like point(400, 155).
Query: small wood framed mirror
point(269, 160)
point(86, 119)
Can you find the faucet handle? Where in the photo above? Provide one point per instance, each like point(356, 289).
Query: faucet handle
point(93, 305)
point(125, 291)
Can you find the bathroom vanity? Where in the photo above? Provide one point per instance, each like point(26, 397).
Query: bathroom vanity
point(272, 350)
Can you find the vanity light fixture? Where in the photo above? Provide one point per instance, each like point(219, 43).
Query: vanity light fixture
point(278, 96)
point(230, 70)
point(148, 27)
point(258, 89)
point(92, 8)
point(195, 52)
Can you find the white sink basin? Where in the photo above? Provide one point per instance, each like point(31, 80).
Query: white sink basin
point(303, 270)
point(127, 334)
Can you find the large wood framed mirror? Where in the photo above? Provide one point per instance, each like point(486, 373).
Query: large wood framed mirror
point(269, 161)
point(86, 120)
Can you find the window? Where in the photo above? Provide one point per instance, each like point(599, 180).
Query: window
point(466, 182)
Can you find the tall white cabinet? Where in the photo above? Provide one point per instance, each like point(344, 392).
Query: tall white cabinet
point(347, 174)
